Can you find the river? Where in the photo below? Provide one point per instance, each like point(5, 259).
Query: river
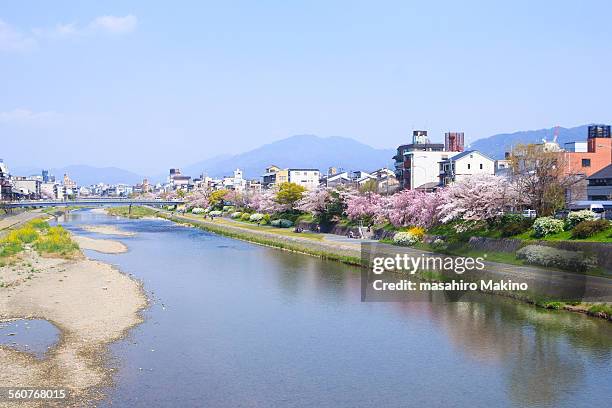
point(233, 324)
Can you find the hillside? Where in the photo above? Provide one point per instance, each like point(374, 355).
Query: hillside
point(298, 151)
point(495, 146)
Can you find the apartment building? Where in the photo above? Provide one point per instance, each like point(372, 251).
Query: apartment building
point(417, 163)
point(464, 164)
point(305, 177)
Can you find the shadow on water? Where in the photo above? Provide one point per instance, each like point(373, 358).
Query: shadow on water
point(235, 324)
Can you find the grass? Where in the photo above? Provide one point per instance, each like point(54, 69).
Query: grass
point(56, 241)
point(137, 211)
point(218, 228)
point(287, 232)
point(604, 308)
point(462, 249)
point(41, 236)
point(603, 236)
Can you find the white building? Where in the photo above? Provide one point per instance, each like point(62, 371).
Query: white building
point(465, 164)
point(307, 178)
point(237, 182)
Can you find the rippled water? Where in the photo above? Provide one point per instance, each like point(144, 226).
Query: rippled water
point(239, 325)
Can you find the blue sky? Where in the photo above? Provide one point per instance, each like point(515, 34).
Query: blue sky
point(148, 86)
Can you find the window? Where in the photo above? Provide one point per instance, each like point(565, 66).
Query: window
point(480, 166)
point(586, 162)
point(469, 166)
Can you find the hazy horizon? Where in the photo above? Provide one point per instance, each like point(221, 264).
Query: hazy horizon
point(145, 87)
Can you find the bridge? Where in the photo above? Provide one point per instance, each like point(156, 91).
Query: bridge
point(87, 202)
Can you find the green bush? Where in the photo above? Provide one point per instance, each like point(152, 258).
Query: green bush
point(544, 226)
point(245, 216)
point(508, 219)
point(236, 214)
point(516, 227)
point(282, 223)
point(588, 228)
point(557, 258)
point(576, 217)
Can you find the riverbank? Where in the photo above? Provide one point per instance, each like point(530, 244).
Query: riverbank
point(91, 303)
point(546, 280)
point(327, 250)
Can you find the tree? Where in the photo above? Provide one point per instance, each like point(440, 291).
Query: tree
point(541, 177)
point(314, 201)
point(197, 199)
point(289, 193)
point(413, 207)
point(216, 198)
point(266, 203)
point(476, 199)
point(368, 207)
point(370, 186)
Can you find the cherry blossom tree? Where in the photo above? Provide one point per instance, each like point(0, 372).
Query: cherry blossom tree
point(265, 202)
point(197, 199)
point(315, 201)
point(413, 207)
point(477, 198)
point(370, 207)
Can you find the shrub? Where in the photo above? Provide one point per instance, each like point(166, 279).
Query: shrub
point(507, 219)
point(216, 213)
point(588, 228)
point(256, 217)
point(236, 214)
point(405, 239)
point(553, 257)
point(56, 240)
point(544, 226)
point(245, 216)
point(576, 217)
point(25, 235)
point(8, 248)
point(39, 224)
point(228, 208)
point(418, 232)
point(198, 210)
point(516, 227)
point(439, 245)
point(282, 223)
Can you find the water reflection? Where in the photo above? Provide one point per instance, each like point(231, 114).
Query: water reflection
point(255, 326)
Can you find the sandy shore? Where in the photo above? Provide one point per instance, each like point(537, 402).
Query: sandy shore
point(107, 230)
point(106, 246)
point(92, 304)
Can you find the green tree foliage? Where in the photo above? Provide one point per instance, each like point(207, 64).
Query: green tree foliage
point(289, 193)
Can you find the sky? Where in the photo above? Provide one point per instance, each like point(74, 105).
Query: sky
point(150, 85)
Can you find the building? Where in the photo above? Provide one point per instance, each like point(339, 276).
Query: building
point(6, 188)
point(453, 141)
point(177, 180)
point(467, 163)
point(417, 163)
point(275, 176)
point(599, 185)
point(350, 179)
point(386, 181)
point(576, 147)
point(26, 187)
point(268, 179)
point(599, 132)
point(598, 152)
point(236, 182)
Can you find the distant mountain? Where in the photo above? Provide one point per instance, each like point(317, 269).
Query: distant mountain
point(298, 151)
point(495, 146)
point(85, 175)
